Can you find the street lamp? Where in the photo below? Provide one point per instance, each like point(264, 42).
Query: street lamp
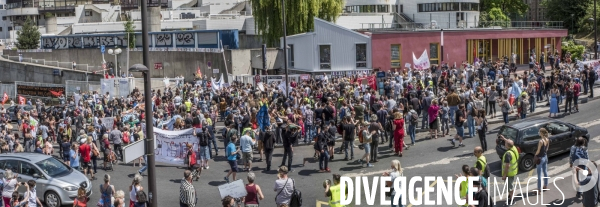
point(285, 59)
point(115, 53)
point(572, 31)
point(149, 141)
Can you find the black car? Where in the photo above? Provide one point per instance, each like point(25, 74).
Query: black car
point(524, 134)
point(13, 114)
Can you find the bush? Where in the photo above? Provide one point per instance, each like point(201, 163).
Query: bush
point(575, 50)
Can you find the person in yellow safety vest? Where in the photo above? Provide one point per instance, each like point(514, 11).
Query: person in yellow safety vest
point(334, 191)
point(510, 166)
point(464, 185)
point(481, 162)
point(188, 105)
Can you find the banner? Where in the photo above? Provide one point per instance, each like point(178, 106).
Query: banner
point(423, 61)
point(108, 123)
point(370, 80)
point(38, 90)
point(123, 87)
point(170, 146)
point(4, 98)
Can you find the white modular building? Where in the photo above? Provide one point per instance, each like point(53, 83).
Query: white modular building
point(330, 48)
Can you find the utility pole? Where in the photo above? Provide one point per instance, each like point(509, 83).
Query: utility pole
point(595, 33)
point(285, 51)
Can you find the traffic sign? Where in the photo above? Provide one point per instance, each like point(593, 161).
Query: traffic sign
point(209, 64)
point(102, 49)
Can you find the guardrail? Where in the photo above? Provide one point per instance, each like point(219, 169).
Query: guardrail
point(67, 65)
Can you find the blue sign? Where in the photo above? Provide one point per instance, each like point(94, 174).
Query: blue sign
point(381, 74)
point(102, 49)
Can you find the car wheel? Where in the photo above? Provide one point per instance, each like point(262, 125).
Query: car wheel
point(52, 199)
point(526, 163)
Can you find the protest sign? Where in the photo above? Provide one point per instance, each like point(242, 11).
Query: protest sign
point(235, 189)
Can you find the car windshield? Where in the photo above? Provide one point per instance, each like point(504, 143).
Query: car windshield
point(508, 133)
point(53, 167)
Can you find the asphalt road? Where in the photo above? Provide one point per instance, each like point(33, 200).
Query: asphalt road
point(428, 158)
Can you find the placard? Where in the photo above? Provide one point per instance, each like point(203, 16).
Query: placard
point(407, 65)
point(38, 90)
point(108, 123)
point(235, 189)
point(215, 71)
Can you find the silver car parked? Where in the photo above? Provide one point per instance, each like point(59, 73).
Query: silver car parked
point(56, 183)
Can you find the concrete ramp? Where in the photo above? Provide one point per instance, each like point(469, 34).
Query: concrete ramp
point(95, 8)
point(236, 9)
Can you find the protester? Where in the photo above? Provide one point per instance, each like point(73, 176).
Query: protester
point(284, 187)
point(254, 192)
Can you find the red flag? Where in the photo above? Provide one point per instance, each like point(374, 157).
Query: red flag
point(56, 93)
point(22, 100)
point(4, 98)
point(199, 72)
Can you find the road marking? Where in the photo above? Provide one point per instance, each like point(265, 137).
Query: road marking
point(589, 123)
point(320, 203)
point(421, 193)
point(596, 139)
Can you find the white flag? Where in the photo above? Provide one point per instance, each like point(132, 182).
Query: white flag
point(423, 61)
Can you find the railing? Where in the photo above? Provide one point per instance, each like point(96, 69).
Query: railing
point(66, 65)
point(56, 8)
point(411, 26)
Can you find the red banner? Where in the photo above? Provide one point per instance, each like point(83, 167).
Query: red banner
point(371, 79)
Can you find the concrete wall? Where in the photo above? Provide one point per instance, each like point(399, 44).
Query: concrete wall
point(174, 63)
point(51, 25)
point(274, 58)
point(15, 71)
point(250, 41)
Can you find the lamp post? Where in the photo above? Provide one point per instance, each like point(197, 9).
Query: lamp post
point(152, 192)
point(442, 47)
point(572, 31)
point(285, 50)
point(595, 33)
point(115, 53)
point(149, 141)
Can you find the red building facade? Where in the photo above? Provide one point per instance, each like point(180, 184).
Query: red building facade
point(393, 49)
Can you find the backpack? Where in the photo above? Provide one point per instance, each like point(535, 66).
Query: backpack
point(125, 138)
point(192, 159)
point(296, 200)
point(414, 118)
point(203, 139)
point(342, 113)
point(360, 136)
point(141, 196)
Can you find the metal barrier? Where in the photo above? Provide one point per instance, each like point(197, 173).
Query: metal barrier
point(118, 87)
point(10, 89)
point(72, 86)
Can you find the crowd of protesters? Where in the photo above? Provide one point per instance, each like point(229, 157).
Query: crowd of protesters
point(260, 116)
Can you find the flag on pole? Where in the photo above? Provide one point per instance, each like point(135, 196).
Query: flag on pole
point(22, 100)
point(4, 98)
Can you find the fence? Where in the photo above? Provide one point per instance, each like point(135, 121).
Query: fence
point(411, 26)
point(10, 89)
point(72, 86)
point(67, 65)
point(118, 87)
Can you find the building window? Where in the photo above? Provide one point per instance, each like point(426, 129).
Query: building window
point(469, 6)
point(361, 55)
point(325, 56)
point(10, 29)
point(434, 53)
point(0, 29)
point(395, 56)
point(438, 7)
point(88, 13)
point(3, 18)
point(290, 55)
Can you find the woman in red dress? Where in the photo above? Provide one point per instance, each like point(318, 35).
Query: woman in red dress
point(398, 127)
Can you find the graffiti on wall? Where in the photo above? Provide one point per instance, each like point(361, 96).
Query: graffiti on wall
point(59, 42)
point(184, 39)
point(163, 40)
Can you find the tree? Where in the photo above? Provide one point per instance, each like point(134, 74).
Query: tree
point(28, 36)
point(508, 6)
point(568, 11)
point(130, 29)
point(575, 50)
point(495, 17)
point(299, 15)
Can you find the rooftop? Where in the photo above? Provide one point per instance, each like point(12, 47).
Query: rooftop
point(483, 25)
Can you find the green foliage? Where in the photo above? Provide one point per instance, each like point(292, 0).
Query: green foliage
point(28, 36)
point(507, 6)
point(575, 50)
point(130, 29)
point(48, 15)
point(569, 11)
point(299, 15)
point(494, 17)
point(584, 24)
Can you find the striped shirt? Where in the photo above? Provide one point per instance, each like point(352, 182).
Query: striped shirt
point(187, 193)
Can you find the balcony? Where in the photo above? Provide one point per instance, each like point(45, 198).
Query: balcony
point(67, 8)
point(101, 1)
point(158, 3)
